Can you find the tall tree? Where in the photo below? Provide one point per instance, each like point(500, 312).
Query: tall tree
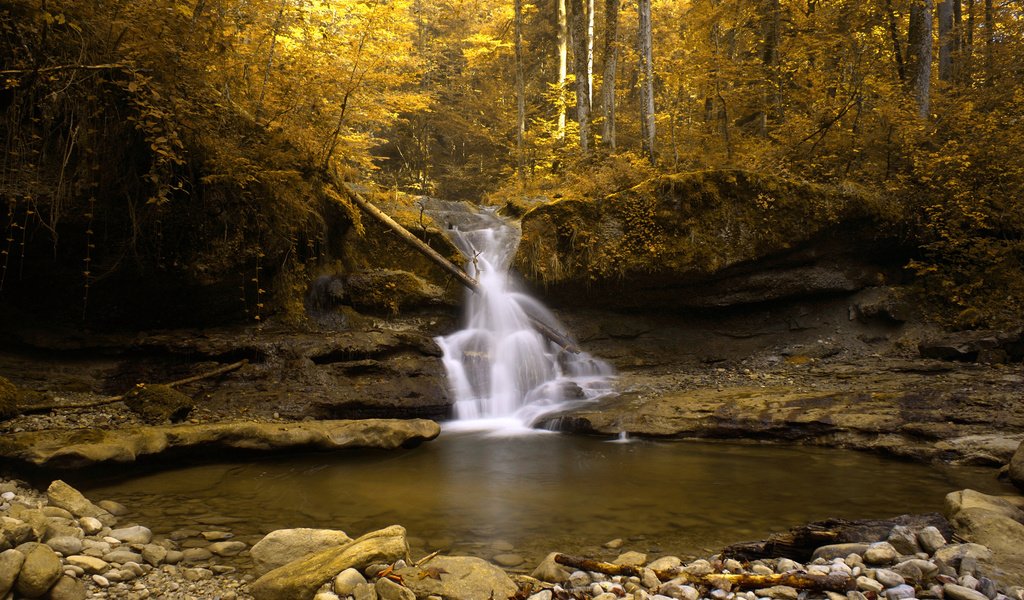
point(644, 44)
point(611, 55)
point(520, 91)
point(919, 50)
point(563, 63)
point(946, 39)
point(590, 51)
point(577, 16)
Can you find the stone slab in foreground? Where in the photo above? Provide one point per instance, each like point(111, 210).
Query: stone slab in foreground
point(76, 448)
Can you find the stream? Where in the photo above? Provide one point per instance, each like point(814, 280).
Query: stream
point(484, 494)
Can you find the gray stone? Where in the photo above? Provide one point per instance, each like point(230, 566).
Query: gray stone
point(136, 534)
point(904, 540)
point(90, 525)
point(301, 578)
point(880, 553)
point(228, 548)
point(869, 585)
point(578, 579)
point(195, 555)
point(10, 565)
point(346, 581)
point(64, 496)
point(41, 569)
point(154, 554)
point(959, 592)
point(282, 546)
point(833, 551)
point(678, 590)
point(988, 587)
point(917, 570)
point(458, 578)
point(389, 590)
point(779, 592)
point(930, 539)
point(889, 578)
point(1016, 467)
point(174, 557)
point(66, 545)
point(785, 565)
point(66, 588)
point(631, 559)
point(665, 563)
point(550, 571)
point(365, 592)
point(900, 592)
point(698, 568)
point(121, 556)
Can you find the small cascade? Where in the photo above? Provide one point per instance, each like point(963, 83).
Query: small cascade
point(499, 367)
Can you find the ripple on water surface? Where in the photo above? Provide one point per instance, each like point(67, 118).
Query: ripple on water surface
point(478, 493)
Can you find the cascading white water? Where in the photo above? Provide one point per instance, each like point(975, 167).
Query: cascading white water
point(499, 367)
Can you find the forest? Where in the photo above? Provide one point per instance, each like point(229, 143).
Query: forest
point(150, 143)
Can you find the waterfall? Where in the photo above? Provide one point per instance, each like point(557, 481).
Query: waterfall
point(499, 367)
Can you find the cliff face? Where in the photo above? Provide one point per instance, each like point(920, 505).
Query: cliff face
point(710, 239)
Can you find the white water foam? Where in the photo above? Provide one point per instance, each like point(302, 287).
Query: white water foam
point(503, 373)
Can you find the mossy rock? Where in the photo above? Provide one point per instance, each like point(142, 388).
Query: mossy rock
point(8, 399)
point(385, 290)
point(158, 404)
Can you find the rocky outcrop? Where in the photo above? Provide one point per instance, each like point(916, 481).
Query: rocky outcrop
point(895, 418)
point(299, 579)
point(83, 447)
point(996, 522)
point(708, 239)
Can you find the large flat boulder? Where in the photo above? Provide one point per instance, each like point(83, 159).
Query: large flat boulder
point(282, 546)
point(83, 447)
point(994, 522)
point(299, 579)
point(458, 578)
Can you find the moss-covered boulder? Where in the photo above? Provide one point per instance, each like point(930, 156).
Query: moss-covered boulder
point(157, 404)
point(712, 238)
point(392, 291)
point(8, 399)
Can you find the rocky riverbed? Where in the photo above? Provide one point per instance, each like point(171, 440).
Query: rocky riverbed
point(59, 545)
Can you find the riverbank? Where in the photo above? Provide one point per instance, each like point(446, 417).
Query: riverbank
point(88, 551)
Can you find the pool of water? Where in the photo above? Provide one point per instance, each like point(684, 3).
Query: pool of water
point(480, 494)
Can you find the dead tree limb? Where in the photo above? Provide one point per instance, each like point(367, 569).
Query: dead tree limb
point(803, 581)
point(41, 408)
point(461, 276)
point(106, 67)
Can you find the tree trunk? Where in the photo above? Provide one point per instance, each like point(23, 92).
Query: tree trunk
point(577, 17)
point(611, 56)
point(520, 93)
point(990, 63)
point(920, 54)
point(563, 60)
point(770, 59)
point(644, 43)
point(946, 40)
point(590, 53)
point(894, 34)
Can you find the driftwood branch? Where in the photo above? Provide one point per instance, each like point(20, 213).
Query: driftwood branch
point(40, 408)
point(803, 581)
point(461, 276)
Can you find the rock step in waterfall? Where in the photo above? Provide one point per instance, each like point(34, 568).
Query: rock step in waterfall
point(499, 365)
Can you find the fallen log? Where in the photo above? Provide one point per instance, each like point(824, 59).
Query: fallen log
point(460, 275)
point(798, 580)
point(40, 408)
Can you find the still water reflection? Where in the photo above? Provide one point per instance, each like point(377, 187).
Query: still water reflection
point(474, 494)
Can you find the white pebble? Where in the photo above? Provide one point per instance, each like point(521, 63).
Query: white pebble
point(100, 580)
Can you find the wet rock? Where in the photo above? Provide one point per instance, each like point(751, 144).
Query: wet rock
point(631, 559)
point(41, 569)
point(900, 592)
point(959, 592)
point(391, 291)
point(301, 578)
point(550, 571)
point(10, 565)
point(136, 534)
point(89, 564)
point(66, 545)
point(389, 590)
point(346, 581)
point(66, 588)
point(64, 496)
point(930, 539)
point(1016, 470)
point(889, 578)
point(458, 578)
point(869, 585)
point(228, 548)
point(282, 546)
point(69, 449)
